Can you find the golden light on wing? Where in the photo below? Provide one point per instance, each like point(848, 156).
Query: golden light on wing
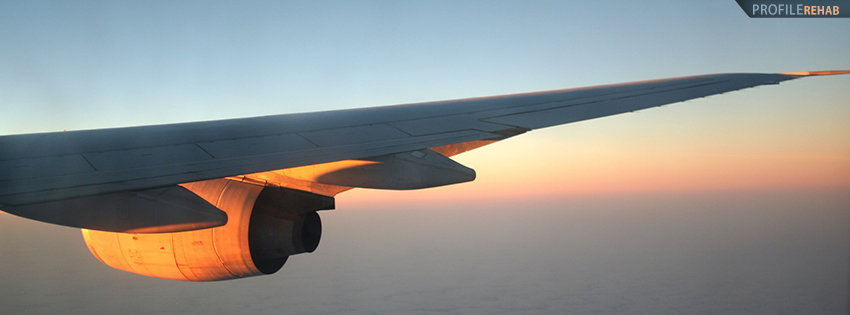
point(808, 73)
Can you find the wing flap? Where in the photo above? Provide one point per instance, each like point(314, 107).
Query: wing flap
point(159, 210)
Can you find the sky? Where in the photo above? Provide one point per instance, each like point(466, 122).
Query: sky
point(710, 205)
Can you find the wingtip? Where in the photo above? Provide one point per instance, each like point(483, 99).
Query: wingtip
point(812, 73)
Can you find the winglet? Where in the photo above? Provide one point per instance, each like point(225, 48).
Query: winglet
point(811, 73)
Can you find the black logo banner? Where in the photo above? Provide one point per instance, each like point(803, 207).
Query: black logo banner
point(795, 8)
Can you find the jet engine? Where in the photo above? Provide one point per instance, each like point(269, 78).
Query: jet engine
point(266, 224)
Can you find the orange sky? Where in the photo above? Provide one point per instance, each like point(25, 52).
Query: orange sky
point(734, 142)
point(571, 174)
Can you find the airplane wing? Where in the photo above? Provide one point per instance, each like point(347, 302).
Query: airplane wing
point(41, 174)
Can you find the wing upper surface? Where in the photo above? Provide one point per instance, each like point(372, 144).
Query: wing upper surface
point(37, 168)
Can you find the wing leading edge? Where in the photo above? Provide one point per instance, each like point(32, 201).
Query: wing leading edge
point(51, 167)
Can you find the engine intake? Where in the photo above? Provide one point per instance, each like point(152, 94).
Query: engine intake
point(265, 226)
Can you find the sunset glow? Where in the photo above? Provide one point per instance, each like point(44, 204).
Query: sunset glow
point(600, 175)
point(735, 203)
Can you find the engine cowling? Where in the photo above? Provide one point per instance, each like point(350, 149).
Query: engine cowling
point(266, 225)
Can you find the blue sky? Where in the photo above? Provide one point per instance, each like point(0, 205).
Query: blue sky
point(86, 65)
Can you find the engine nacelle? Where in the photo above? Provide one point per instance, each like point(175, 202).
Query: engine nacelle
point(265, 226)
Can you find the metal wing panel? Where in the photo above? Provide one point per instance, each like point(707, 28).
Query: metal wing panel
point(556, 113)
point(156, 156)
point(29, 191)
point(44, 166)
point(249, 146)
point(426, 126)
point(147, 157)
point(353, 135)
